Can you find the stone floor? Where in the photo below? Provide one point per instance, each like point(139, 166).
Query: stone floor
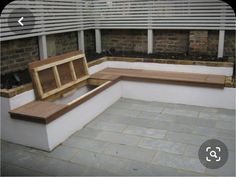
point(132, 138)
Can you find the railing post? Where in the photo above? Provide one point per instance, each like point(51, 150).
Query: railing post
point(81, 40)
point(98, 40)
point(221, 44)
point(150, 41)
point(43, 54)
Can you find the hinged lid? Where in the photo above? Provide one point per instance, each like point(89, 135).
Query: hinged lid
point(55, 74)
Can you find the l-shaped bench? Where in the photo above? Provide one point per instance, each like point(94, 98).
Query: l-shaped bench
point(48, 121)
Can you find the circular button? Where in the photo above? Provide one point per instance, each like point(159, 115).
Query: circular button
point(21, 21)
point(213, 154)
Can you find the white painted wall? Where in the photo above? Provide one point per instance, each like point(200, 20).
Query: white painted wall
point(63, 127)
point(182, 94)
point(97, 68)
point(22, 99)
point(21, 132)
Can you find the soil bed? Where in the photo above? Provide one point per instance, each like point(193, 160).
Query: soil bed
point(15, 79)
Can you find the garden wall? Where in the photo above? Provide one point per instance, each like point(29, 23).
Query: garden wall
point(89, 41)
point(61, 43)
point(170, 41)
point(229, 48)
point(16, 54)
point(124, 40)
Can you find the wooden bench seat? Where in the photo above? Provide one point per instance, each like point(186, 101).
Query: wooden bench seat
point(161, 76)
point(45, 112)
point(38, 111)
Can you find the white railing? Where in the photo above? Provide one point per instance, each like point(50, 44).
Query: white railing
point(57, 16)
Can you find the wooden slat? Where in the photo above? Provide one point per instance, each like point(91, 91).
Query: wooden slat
point(56, 75)
point(62, 81)
point(55, 16)
point(72, 71)
point(37, 83)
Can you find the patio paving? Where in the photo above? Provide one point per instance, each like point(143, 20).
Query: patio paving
point(132, 138)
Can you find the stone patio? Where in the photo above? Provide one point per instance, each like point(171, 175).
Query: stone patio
point(132, 138)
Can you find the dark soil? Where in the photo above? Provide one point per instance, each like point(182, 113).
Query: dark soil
point(15, 79)
point(18, 78)
point(174, 56)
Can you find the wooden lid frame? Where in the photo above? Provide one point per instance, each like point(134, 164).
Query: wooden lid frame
point(47, 79)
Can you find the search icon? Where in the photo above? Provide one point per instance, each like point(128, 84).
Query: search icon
point(213, 154)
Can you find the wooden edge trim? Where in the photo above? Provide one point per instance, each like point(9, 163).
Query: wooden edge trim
point(171, 61)
point(94, 90)
point(56, 63)
point(79, 101)
point(49, 60)
point(188, 83)
point(28, 118)
point(8, 93)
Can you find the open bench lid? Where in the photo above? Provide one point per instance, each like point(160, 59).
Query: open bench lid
point(58, 73)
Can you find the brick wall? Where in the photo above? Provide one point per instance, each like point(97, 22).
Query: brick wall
point(16, 54)
point(170, 41)
point(124, 40)
point(89, 41)
point(213, 39)
point(62, 43)
point(198, 42)
point(229, 47)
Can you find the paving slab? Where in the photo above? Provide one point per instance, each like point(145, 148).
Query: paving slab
point(118, 138)
point(162, 145)
point(100, 161)
point(179, 162)
point(134, 168)
point(180, 112)
point(130, 152)
point(86, 143)
point(42, 164)
point(195, 121)
point(191, 151)
point(147, 132)
point(122, 112)
point(107, 126)
point(181, 128)
point(61, 152)
point(225, 125)
point(87, 132)
point(13, 170)
point(186, 138)
point(132, 138)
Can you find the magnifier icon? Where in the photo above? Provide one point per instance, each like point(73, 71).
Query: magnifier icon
point(213, 154)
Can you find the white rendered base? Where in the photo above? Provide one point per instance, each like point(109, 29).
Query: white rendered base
point(47, 137)
point(63, 127)
point(182, 94)
point(218, 70)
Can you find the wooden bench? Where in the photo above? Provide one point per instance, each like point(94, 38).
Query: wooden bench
point(207, 80)
point(45, 111)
